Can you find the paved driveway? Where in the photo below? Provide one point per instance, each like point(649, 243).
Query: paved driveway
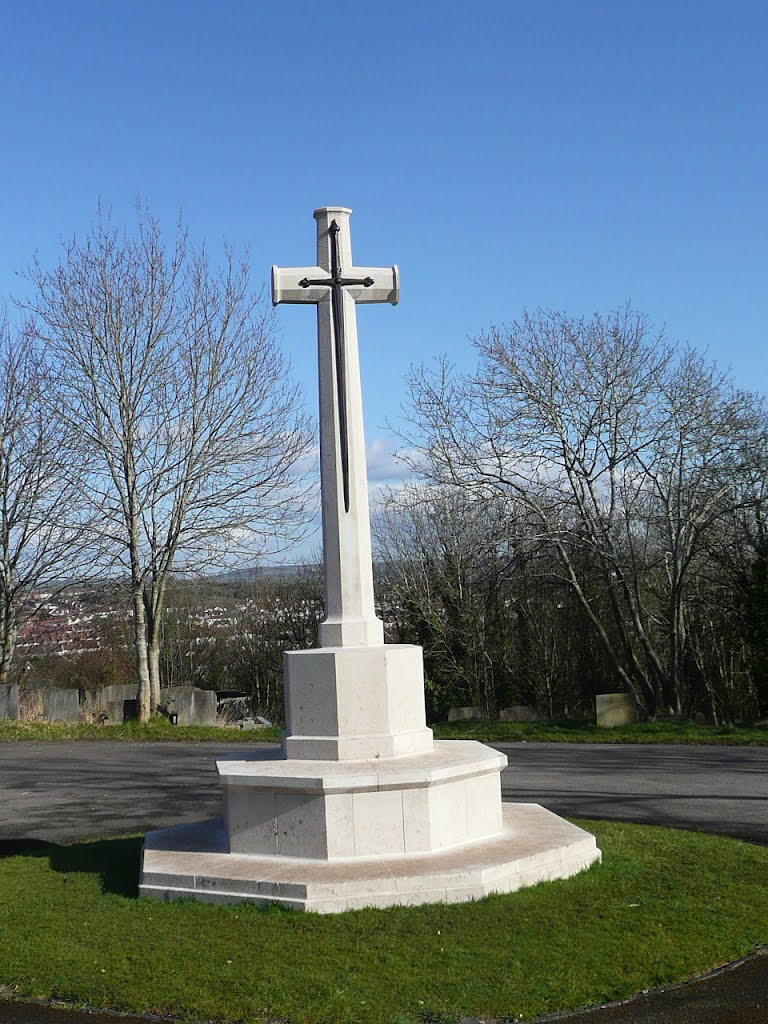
point(65, 791)
point(715, 789)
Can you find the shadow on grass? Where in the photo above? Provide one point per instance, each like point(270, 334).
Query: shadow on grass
point(115, 861)
point(14, 847)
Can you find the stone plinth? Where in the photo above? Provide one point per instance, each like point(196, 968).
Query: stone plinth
point(349, 703)
point(326, 811)
point(534, 845)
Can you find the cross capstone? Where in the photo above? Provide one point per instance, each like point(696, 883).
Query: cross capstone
point(335, 286)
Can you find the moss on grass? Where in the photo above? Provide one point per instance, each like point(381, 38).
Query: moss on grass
point(662, 906)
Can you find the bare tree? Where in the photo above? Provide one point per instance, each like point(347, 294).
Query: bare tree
point(447, 563)
point(169, 371)
point(728, 629)
point(283, 616)
point(704, 466)
point(621, 450)
point(472, 582)
point(41, 530)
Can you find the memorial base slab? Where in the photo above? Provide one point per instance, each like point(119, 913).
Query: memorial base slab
point(330, 836)
point(192, 861)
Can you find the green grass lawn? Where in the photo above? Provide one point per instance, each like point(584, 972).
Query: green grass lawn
point(588, 732)
point(488, 732)
point(156, 730)
point(661, 907)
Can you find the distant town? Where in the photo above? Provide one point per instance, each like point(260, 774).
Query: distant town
point(81, 634)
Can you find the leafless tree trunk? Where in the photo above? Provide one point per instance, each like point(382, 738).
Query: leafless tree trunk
point(8, 634)
point(169, 370)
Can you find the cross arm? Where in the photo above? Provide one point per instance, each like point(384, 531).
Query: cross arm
point(289, 284)
point(385, 287)
point(286, 287)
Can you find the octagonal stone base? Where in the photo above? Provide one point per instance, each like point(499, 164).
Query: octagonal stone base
point(333, 809)
point(533, 846)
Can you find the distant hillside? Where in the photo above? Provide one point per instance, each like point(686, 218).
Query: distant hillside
point(261, 572)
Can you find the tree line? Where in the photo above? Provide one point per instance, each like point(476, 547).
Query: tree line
point(589, 516)
point(148, 425)
point(217, 633)
point(585, 512)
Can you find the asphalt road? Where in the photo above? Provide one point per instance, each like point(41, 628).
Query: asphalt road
point(62, 792)
point(712, 789)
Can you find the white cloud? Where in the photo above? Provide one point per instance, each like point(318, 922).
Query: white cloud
point(382, 464)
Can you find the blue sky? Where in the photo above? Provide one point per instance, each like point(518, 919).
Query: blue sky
point(506, 155)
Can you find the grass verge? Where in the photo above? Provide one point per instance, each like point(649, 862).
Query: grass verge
point(588, 732)
point(662, 906)
point(159, 729)
point(156, 730)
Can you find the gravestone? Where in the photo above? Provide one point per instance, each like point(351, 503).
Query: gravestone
point(114, 704)
point(363, 807)
point(520, 713)
point(49, 705)
point(614, 709)
point(468, 714)
point(60, 705)
point(190, 705)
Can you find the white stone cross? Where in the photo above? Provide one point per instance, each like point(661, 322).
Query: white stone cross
point(335, 286)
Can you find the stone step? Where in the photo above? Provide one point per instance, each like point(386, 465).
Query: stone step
point(535, 845)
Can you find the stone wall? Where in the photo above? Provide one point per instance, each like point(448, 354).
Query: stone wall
point(9, 700)
point(109, 704)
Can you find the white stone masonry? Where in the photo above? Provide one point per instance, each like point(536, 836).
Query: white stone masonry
point(363, 808)
point(354, 697)
point(350, 613)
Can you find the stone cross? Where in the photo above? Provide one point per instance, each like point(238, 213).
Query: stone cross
point(363, 808)
point(335, 286)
